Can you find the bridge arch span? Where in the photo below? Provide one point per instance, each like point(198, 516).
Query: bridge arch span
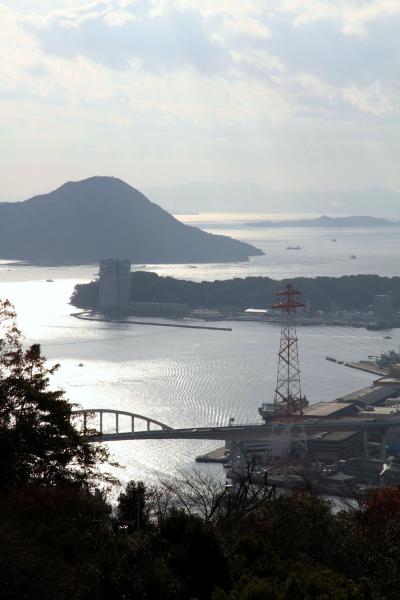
point(93, 413)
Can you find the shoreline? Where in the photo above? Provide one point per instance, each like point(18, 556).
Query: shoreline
point(309, 322)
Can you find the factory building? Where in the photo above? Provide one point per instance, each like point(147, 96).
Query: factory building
point(371, 395)
point(329, 410)
point(337, 445)
point(391, 381)
point(114, 284)
point(115, 293)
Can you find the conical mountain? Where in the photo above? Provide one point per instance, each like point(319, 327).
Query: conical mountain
point(100, 217)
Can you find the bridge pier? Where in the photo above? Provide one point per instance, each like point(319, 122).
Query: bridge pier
point(133, 424)
point(383, 445)
point(365, 438)
point(101, 422)
point(116, 422)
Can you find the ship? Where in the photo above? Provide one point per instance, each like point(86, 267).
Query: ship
point(276, 411)
point(293, 248)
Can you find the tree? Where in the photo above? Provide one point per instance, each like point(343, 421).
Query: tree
point(39, 444)
point(133, 507)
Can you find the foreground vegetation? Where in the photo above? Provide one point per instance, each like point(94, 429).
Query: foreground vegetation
point(188, 538)
point(323, 293)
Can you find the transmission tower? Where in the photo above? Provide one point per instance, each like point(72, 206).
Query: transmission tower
point(289, 400)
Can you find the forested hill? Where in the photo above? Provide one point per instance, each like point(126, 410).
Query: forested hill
point(85, 221)
point(348, 292)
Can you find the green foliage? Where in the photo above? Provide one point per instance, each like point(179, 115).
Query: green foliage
point(39, 444)
point(251, 588)
point(53, 543)
point(348, 292)
point(194, 554)
point(191, 540)
point(304, 582)
point(132, 506)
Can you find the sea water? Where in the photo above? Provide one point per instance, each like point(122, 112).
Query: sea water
point(187, 377)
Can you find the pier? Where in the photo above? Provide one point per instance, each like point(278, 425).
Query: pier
point(85, 316)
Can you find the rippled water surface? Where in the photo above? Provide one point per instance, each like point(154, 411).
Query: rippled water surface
point(199, 377)
point(180, 377)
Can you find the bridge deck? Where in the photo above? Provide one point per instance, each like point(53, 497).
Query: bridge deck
point(253, 432)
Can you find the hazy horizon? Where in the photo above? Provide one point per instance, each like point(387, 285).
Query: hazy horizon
point(236, 198)
point(148, 189)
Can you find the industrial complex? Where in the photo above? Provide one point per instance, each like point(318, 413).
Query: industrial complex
point(115, 293)
point(298, 447)
point(351, 442)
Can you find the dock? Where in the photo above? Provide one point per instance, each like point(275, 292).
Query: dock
point(86, 316)
point(215, 456)
point(366, 366)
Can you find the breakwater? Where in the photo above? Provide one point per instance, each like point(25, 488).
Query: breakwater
point(85, 316)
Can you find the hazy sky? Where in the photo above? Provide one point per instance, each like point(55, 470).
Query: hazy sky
point(294, 94)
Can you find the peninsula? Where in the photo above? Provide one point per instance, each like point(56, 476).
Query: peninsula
point(354, 292)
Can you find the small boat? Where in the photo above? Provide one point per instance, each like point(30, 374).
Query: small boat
point(80, 365)
point(353, 256)
point(387, 337)
point(293, 248)
point(333, 240)
point(50, 280)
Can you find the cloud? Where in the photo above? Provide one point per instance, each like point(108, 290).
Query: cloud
point(116, 37)
point(185, 88)
point(372, 99)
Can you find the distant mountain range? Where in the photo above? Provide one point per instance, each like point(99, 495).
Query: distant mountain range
point(248, 197)
point(103, 217)
point(324, 221)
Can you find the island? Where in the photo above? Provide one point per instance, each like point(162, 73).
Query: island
point(85, 221)
point(325, 221)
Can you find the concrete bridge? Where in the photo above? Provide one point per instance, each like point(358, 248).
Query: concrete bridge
point(93, 423)
point(139, 427)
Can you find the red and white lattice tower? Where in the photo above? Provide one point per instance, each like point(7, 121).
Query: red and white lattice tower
point(289, 400)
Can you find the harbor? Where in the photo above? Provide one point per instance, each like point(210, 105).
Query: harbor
point(357, 439)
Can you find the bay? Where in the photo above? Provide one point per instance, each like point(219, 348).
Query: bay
point(189, 378)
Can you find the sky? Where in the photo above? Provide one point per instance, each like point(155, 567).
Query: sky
point(291, 94)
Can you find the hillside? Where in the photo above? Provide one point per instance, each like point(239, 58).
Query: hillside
point(101, 217)
point(324, 221)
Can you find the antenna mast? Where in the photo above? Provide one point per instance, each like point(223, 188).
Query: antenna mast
point(289, 400)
